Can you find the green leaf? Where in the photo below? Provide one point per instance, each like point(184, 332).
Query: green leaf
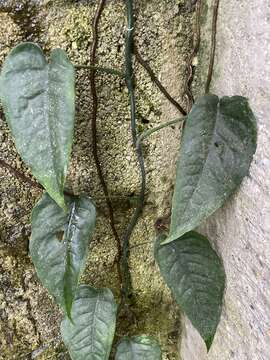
point(59, 244)
point(90, 335)
point(217, 147)
point(195, 275)
point(138, 348)
point(38, 100)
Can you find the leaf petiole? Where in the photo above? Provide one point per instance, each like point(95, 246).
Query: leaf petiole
point(149, 132)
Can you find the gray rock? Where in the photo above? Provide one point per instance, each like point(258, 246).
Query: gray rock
point(241, 230)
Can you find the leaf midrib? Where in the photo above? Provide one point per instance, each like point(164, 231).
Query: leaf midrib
point(94, 323)
point(53, 136)
point(68, 239)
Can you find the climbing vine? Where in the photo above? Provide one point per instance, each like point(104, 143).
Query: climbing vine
point(217, 147)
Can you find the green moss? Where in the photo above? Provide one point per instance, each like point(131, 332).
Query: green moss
point(164, 35)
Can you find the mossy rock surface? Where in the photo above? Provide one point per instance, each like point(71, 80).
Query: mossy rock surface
point(28, 318)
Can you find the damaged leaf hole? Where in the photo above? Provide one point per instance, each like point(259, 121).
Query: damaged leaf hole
point(60, 235)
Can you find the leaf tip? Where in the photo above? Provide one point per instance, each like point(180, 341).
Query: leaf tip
point(208, 342)
point(60, 201)
point(69, 317)
point(168, 240)
point(67, 310)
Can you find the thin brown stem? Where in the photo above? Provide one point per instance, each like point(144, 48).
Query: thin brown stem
point(20, 176)
point(155, 80)
point(28, 181)
point(93, 71)
point(213, 46)
point(196, 47)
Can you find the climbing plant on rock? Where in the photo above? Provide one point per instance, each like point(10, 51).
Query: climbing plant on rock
point(217, 147)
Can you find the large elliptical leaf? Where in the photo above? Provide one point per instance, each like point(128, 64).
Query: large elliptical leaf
point(90, 334)
point(217, 147)
point(196, 277)
point(39, 103)
point(138, 348)
point(59, 244)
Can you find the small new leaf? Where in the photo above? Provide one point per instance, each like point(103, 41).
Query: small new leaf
point(195, 275)
point(90, 335)
point(217, 148)
point(138, 348)
point(59, 244)
point(38, 100)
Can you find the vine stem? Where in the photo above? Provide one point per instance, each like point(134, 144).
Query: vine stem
point(155, 80)
point(93, 70)
point(213, 46)
point(20, 176)
point(196, 47)
point(33, 184)
point(127, 286)
point(149, 132)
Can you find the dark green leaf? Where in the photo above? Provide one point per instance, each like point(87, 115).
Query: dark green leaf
point(59, 244)
point(90, 335)
point(38, 100)
point(195, 275)
point(217, 147)
point(138, 348)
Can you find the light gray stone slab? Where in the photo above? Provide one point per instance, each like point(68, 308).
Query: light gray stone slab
point(241, 230)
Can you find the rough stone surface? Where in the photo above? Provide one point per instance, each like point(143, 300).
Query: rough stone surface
point(28, 318)
point(240, 231)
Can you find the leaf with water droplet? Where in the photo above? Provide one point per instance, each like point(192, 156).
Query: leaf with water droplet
point(59, 244)
point(39, 103)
